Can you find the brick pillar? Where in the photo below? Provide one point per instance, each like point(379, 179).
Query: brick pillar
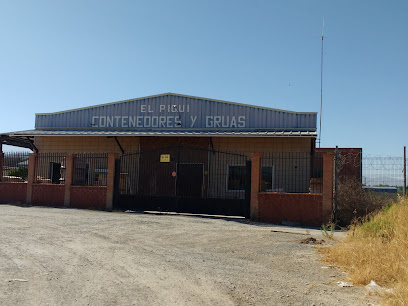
point(69, 171)
point(328, 183)
point(110, 180)
point(255, 184)
point(1, 165)
point(32, 165)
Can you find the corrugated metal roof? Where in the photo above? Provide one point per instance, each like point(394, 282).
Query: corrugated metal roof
point(179, 112)
point(29, 133)
point(176, 95)
point(174, 115)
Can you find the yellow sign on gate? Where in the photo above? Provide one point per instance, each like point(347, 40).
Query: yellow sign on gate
point(164, 158)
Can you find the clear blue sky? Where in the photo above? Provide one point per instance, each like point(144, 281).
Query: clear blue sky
point(58, 55)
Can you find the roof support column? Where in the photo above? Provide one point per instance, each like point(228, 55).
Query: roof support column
point(118, 143)
point(112, 157)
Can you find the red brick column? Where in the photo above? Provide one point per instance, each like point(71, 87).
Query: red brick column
point(1, 165)
point(110, 180)
point(255, 183)
point(69, 171)
point(328, 183)
point(31, 179)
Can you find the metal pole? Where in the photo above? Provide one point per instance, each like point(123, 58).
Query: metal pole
point(336, 179)
point(321, 88)
point(404, 188)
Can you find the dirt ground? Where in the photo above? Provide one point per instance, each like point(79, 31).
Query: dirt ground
point(78, 257)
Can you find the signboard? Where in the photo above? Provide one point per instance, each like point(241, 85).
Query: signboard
point(172, 112)
point(168, 116)
point(165, 158)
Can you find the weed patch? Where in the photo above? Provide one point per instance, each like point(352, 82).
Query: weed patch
point(355, 203)
point(377, 249)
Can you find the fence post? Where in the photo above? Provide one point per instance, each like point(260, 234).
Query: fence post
point(336, 183)
point(69, 170)
point(404, 188)
point(32, 167)
point(1, 165)
point(328, 182)
point(116, 186)
point(255, 183)
point(112, 157)
point(247, 210)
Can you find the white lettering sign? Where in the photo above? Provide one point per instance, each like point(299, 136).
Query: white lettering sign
point(169, 116)
point(224, 121)
point(193, 120)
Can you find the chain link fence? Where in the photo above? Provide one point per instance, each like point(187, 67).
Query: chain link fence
point(365, 183)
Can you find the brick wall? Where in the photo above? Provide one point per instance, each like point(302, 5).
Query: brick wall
point(308, 209)
point(85, 144)
point(147, 143)
point(96, 144)
point(305, 209)
point(13, 192)
point(262, 144)
point(64, 195)
point(92, 197)
point(48, 195)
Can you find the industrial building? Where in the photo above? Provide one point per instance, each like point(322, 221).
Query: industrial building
point(173, 147)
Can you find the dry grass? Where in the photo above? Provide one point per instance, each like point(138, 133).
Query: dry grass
point(377, 249)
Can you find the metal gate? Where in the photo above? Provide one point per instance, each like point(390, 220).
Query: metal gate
point(184, 179)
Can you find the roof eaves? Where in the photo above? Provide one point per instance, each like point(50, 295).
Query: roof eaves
point(162, 133)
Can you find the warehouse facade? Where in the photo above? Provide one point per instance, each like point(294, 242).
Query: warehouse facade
point(173, 148)
point(136, 125)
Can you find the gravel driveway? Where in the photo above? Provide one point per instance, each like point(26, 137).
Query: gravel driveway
point(78, 257)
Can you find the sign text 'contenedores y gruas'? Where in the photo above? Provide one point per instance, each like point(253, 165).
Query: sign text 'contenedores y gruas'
point(170, 116)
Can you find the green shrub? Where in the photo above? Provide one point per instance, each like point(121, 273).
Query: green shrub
point(19, 172)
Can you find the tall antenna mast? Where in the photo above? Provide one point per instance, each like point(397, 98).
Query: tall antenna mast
point(321, 87)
